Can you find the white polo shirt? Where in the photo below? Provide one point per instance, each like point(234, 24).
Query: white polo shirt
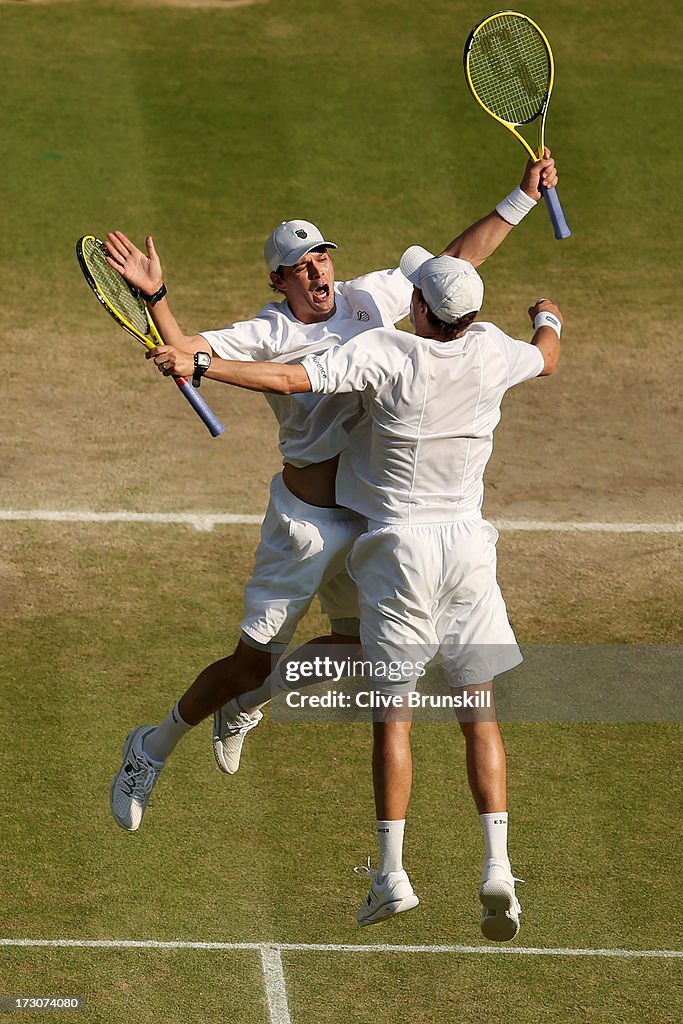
point(315, 427)
point(433, 409)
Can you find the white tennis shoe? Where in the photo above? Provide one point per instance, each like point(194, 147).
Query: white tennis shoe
point(230, 726)
point(132, 786)
point(391, 894)
point(501, 909)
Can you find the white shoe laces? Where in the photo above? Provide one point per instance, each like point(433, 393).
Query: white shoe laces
point(365, 871)
point(239, 725)
point(141, 780)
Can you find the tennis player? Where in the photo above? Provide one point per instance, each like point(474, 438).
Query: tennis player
point(306, 534)
point(426, 566)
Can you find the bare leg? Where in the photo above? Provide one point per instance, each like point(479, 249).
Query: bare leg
point(392, 769)
point(485, 758)
point(218, 683)
point(256, 697)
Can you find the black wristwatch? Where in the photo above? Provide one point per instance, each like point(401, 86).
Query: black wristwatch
point(202, 362)
point(152, 300)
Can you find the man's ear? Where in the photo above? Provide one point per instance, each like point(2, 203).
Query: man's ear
point(424, 308)
point(277, 281)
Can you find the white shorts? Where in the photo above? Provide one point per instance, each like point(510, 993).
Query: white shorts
point(431, 589)
point(302, 552)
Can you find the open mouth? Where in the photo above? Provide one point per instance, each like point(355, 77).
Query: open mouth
point(321, 292)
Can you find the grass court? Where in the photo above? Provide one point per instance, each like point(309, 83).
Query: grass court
point(205, 124)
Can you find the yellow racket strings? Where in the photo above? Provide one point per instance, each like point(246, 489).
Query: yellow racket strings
point(113, 288)
point(509, 67)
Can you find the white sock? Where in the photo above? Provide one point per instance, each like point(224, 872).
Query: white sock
point(390, 836)
point(495, 828)
point(162, 742)
point(273, 686)
point(254, 700)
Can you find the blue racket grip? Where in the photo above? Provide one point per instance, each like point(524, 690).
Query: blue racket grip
point(199, 405)
point(552, 201)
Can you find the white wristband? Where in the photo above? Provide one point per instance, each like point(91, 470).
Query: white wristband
point(545, 319)
point(515, 206)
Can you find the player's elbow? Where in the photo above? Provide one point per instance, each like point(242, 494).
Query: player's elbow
point(294, 381)
point(191, 343)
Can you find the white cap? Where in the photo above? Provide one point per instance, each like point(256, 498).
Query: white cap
point(451, 287)
point(290, 241)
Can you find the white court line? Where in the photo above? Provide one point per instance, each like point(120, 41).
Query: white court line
point(200, 520)
point(274, 980)
point(271, 956)
point(585, 527)
point(311, 947)
point(206, 521)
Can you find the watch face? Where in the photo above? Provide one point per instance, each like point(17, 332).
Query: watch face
point(203, 360)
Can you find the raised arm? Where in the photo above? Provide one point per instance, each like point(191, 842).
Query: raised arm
point(143, 271)
point(481, 239)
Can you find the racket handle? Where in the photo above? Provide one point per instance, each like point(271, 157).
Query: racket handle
point(552, 201)
point(199, 405)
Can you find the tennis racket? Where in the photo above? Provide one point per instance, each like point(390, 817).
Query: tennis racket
point(510, 71)
point(125, 304)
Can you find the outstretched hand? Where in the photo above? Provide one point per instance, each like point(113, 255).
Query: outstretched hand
point(140, 270)
point(539, 172)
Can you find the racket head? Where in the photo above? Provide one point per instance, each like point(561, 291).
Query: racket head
point(123, 302)
point(510, 71)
